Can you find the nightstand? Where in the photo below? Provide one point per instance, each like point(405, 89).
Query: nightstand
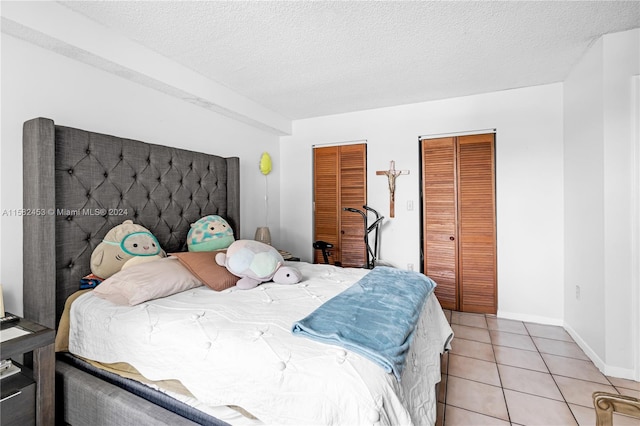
point(28, 397)
point(288, 256)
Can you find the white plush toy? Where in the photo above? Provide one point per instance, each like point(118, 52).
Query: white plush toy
point(255, 262)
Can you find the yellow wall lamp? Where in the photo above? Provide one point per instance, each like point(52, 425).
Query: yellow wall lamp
point(262, 233)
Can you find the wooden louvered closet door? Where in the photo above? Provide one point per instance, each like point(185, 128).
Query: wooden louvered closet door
point(439, 213)
point(340, 180)
point(458, 179)
point(326, 199)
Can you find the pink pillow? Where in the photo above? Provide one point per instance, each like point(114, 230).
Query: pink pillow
point(147, 281)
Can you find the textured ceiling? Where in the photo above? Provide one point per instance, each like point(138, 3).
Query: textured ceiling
point(304, 59)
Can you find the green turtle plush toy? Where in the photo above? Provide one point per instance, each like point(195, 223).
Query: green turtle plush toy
point(210, 233)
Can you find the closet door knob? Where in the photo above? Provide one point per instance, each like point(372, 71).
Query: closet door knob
point(451, 238)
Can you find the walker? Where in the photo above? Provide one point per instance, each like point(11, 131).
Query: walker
point(372, 254)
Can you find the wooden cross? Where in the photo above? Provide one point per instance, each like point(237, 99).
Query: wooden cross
point(392, 174)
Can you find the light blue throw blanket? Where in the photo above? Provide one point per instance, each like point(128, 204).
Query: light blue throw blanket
point(375, 317)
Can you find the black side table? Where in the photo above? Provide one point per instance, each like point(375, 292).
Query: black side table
point(38, 346)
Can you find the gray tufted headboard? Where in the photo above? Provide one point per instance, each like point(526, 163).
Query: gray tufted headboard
point(77, 185)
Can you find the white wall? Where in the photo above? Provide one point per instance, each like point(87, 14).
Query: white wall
point(621, 62)
point(529, 187)
point(39, 83)
point(601, 195)
point(584, 198)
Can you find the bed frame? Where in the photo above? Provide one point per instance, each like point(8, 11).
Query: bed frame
point(77, 185)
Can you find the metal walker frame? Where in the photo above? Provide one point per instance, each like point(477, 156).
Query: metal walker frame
point(372, 254)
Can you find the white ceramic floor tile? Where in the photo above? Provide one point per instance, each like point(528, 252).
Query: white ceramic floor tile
point(529, 381)
point(519, 358)
point(559, 347)
point(512, 340)
point(470, 320)
point(510, 326)
point(455, 416)
point(476, 397)
point(579, 392)
point(547, 378)
point(574, 368)
point(471, 333)
point(533, 410)
point(548, 331)
point(474, 369)
point(624, 383)
point(472, 349)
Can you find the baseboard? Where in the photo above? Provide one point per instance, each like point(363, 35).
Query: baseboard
point(597, 361)
point(530, 318)
point(607, 370)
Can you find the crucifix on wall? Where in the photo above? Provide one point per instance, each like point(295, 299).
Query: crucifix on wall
point(392, 174)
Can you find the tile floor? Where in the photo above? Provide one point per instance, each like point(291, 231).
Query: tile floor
point(504, 372)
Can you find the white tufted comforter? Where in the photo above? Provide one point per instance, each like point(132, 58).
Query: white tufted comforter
point(235, 347)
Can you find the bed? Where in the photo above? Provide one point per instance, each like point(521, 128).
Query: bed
point(80, 184)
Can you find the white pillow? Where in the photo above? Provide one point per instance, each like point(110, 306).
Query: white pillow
point(147, 281)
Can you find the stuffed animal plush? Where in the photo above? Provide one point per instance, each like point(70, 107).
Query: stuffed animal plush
point(255, 262)
point(124, 243)
point(209, 233)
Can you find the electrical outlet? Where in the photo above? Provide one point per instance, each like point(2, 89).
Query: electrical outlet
point(578, 292)
point(410, 266)
point(410, 205)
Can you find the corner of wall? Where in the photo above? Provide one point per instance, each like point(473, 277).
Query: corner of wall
point(602, 203)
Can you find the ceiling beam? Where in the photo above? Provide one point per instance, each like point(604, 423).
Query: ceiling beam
point(55, 27)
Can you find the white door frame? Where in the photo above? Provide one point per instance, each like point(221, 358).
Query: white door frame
point(635, 222)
